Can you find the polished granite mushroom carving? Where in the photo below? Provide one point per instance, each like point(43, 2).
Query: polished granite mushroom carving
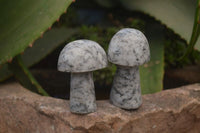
point(81, 57)
point(128, 49)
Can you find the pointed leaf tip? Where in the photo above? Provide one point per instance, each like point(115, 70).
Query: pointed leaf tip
point(29, 21)
point(30, 45)
point(10, 60)
point(58, 19)
point(42, 35)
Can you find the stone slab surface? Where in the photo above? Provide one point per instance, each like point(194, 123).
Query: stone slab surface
point(171, 111)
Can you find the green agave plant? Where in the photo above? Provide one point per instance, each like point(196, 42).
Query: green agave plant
point(181, 16)
point(22, 22)
point(178, 15)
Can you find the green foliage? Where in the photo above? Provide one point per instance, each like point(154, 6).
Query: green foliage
point(102, 36)
point(23, 75)
point(24, 21)
point(4, 72)
point(136, 23)
point(176, 14)
point(152, 73)
point(45, 45)
point(42, 46)
point(175, 48)
point(171, 57)
point(195, 31)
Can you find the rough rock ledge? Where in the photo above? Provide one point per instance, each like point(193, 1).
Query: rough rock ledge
point(170, 111)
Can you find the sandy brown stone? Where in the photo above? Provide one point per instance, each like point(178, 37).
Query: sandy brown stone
point(170, 111)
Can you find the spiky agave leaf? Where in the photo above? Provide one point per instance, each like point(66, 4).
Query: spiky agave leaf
point(24, 21)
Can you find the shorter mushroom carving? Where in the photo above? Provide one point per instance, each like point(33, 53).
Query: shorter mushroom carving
point(81, 57)
point(128, 49)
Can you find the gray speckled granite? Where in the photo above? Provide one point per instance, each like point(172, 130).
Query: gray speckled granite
point(82, 56)
point(82, 94)
point(126, 92)
point(128, 49)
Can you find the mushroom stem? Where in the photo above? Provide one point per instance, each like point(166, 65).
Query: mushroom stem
point(82, 94)
point(126, 92)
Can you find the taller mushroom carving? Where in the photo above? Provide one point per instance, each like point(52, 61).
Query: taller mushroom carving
point(128, 49)
point(81, 57)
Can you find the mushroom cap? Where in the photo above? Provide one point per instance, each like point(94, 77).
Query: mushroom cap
point(82, 56)
point(129, 47)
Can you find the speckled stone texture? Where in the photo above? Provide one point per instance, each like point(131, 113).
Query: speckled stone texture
point(82, 94)
point(129, 47)
point(126, 92)
point(82, 56)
